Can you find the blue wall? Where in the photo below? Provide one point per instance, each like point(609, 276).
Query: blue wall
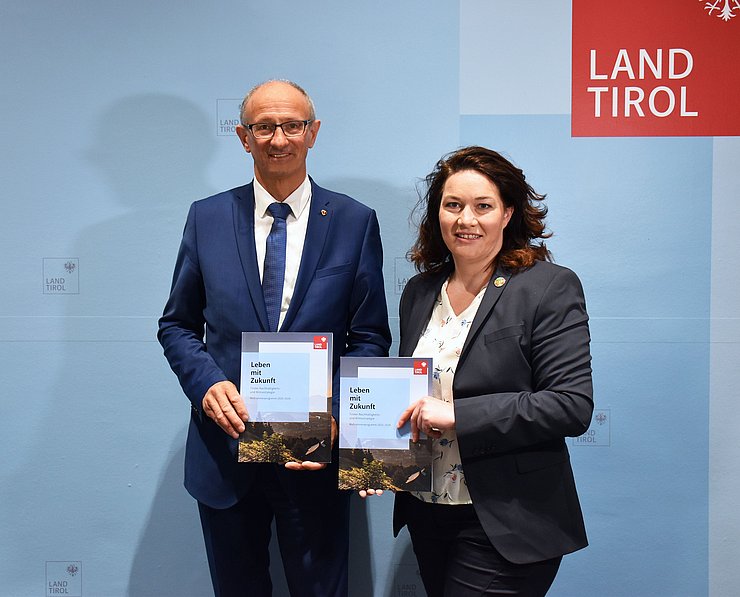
point(113, 116)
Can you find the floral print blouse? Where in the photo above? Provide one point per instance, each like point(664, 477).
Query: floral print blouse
point(443, 341)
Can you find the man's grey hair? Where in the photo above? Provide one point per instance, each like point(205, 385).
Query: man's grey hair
point(243, 105)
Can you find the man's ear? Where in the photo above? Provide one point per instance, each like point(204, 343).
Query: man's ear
point(243, 134)
point(313, 132)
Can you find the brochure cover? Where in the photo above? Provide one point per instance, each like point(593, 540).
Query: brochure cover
point(373, 453)
point(286, 386)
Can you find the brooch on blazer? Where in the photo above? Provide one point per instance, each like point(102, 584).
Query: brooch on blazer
point(499, 282)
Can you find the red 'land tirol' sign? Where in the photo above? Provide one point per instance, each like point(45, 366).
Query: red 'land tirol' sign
point(656, 68)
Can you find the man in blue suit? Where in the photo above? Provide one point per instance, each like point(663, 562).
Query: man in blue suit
point(332, 283)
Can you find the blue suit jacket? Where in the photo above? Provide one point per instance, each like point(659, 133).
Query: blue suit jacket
point(522, 384)
point(216, 288)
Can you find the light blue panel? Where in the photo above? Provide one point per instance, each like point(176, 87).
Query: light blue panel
point(644, 496)
point(106, 149)
point(92, 471)
point(515, 56)
point(110, 116)
point(633, 218)
point(724, 450)
point(135, 89)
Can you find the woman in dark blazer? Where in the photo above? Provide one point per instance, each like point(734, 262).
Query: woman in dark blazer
point(508, 332)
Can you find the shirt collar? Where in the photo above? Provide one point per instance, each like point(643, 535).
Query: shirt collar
point(298, 199)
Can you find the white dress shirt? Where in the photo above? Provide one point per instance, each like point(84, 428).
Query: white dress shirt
point(296, 225)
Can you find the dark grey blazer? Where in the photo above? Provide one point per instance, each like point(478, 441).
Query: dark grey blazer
point(522, 384)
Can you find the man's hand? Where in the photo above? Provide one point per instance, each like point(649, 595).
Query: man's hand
point(308, 465)
point(428, 415)
point(366, 492)
point(225, 406)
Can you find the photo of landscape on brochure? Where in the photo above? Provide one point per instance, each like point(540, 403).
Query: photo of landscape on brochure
point(373, 453)
point(396, 470)
point(287, 442)
point(285, 383)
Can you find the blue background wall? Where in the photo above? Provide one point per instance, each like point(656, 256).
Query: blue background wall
point(112, 115)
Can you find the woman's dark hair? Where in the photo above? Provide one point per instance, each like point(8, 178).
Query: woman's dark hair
point(520, 248)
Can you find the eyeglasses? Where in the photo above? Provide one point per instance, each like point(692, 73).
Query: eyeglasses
point(266, 130)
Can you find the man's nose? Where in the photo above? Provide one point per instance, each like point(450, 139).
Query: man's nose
point(278, 137)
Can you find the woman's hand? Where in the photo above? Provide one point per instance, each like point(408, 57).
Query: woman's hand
point(428, 415)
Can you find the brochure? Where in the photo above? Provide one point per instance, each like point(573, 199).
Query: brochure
point(286, 386)
point(373, 452)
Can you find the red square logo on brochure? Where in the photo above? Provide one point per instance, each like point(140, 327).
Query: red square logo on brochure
point(661, 68)
point(421, 367)
point(320, 343)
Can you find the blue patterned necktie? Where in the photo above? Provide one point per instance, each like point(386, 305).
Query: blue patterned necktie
point(274, 271)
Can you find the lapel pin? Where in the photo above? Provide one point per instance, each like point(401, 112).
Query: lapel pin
point(323, 212)
point(499, 282)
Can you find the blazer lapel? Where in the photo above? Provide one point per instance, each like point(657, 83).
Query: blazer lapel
point(497, 285)
point(419, 310)
point(319, 218)
point(243, 209)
